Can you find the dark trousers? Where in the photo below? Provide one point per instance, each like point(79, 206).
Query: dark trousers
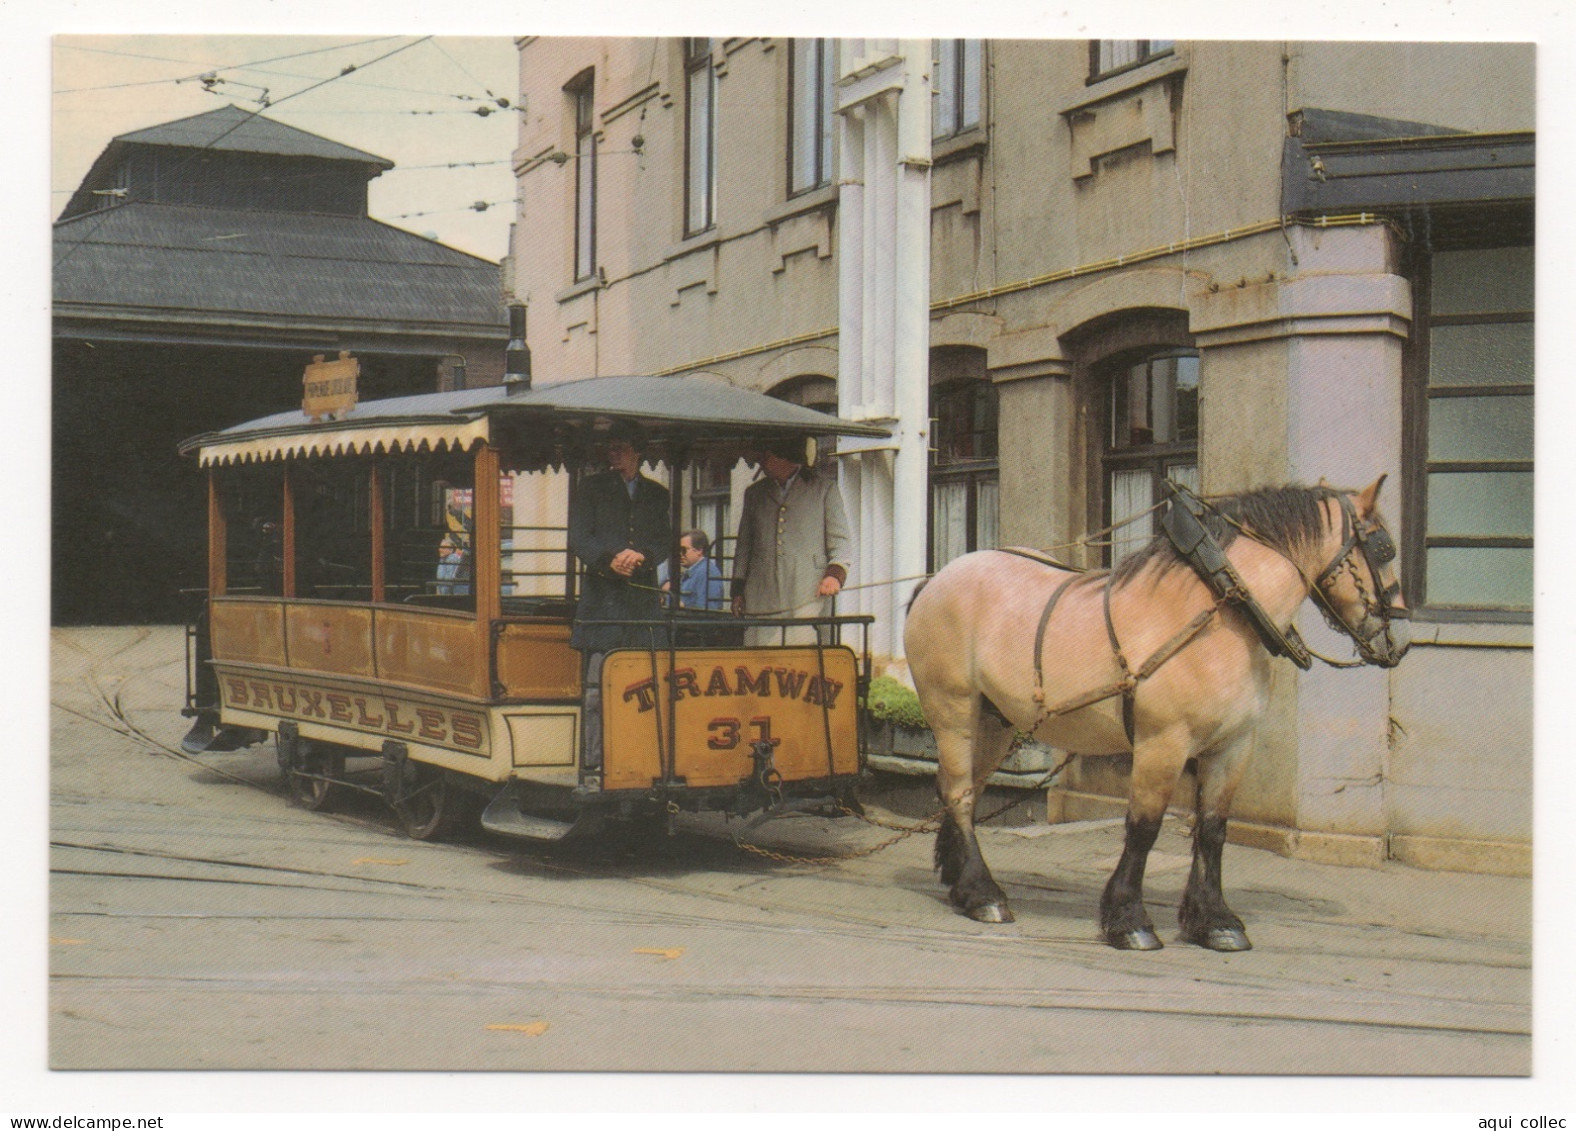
point(591, 712)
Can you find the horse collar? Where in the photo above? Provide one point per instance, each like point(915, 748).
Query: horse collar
point(1183, 523)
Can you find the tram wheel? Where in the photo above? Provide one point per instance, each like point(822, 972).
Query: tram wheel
point(432, 809)
point(309, 774)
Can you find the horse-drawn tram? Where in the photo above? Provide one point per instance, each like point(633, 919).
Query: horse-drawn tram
point(375, 607)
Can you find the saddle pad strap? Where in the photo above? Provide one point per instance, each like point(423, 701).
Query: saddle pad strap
point(1039, 639)
point(1128, 685)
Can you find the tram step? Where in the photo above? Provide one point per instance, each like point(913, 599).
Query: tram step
point(503, 816)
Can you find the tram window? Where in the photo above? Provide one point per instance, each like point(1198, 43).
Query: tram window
point(430, 545)
point(253, 500)
point(333, 555)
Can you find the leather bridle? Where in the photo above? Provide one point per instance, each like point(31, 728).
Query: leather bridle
point(1367, 539)
point(1373, 543)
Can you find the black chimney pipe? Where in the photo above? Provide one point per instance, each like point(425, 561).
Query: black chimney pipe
point(517, 357)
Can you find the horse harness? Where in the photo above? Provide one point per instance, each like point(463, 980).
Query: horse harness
point(1183, 525)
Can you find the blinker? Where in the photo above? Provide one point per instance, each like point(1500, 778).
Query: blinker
point(1378, 545)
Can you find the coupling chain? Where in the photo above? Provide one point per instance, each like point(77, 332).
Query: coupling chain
point(930, 824)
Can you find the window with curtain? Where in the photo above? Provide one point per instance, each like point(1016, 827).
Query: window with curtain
point(1109, 55)
point(965, 480)
point(1152, 409)
point(700, 136)
point(1473, 466)
point(957, 79)
point(811, 69)
point(581, 94)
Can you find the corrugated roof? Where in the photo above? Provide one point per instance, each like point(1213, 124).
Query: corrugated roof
point(232, 128)
point(243, 264)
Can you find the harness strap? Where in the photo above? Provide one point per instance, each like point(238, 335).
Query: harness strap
point(1039, 637)
point(1129, 685)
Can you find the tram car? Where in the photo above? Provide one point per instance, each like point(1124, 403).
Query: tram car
point(385, 603)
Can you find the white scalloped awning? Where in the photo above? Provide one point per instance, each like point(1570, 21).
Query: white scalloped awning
point(410, 437)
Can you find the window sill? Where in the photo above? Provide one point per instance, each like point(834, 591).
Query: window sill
point(700, 241)
point(584, 286)
point(1445, 628)
point(969, 143)
point(823, 197)
point(1122, 82)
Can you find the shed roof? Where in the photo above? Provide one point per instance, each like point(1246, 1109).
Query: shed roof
point(194, 264)
point(231, 128)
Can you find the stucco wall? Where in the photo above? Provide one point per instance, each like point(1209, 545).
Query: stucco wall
point(1459, 783)
point(1035, 226)
point(1478, 87)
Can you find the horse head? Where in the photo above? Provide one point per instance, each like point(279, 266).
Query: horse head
point(1359, 589)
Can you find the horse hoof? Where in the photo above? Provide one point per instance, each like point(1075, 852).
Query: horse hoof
point(1142, 939)
point(990, 913)
point(1227, 939)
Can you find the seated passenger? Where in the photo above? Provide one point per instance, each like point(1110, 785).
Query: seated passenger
point(454, 568)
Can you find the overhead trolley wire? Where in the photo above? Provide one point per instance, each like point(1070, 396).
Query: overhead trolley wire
point(206, 71)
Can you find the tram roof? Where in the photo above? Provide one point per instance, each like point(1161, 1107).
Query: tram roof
point(542, 426)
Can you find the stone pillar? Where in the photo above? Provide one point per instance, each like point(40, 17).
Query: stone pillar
point(1036, 441)
point(1302, 379)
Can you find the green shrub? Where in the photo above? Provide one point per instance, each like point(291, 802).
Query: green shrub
point(890, 701)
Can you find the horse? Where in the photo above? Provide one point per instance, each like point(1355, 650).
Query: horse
point(1166, 656)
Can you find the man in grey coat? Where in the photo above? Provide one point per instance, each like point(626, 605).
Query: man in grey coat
point(794, 547)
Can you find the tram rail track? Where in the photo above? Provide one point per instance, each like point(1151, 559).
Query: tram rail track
point(534, 860)
point(718, 901)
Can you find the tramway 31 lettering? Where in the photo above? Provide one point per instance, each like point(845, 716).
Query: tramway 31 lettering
point(817, 690)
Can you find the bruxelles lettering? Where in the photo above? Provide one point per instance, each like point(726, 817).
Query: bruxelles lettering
point(431, 724)
point(780, 683)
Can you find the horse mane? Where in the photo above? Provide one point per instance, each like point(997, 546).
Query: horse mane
point(1290, 519)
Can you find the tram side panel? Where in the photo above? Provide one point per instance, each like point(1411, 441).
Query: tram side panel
point(359, 676)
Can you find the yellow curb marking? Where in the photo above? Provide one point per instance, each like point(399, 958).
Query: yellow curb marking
point(669, 954)
point(379, 860)
point(66, 942)
point(534, 1029)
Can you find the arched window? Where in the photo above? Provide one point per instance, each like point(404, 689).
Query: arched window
point(819, 393)
point(964, 476)
point(1151, 402)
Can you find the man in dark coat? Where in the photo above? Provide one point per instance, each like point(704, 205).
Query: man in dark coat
point(619, 530)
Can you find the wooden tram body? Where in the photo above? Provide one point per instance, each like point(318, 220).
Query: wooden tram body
point(326, 626)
